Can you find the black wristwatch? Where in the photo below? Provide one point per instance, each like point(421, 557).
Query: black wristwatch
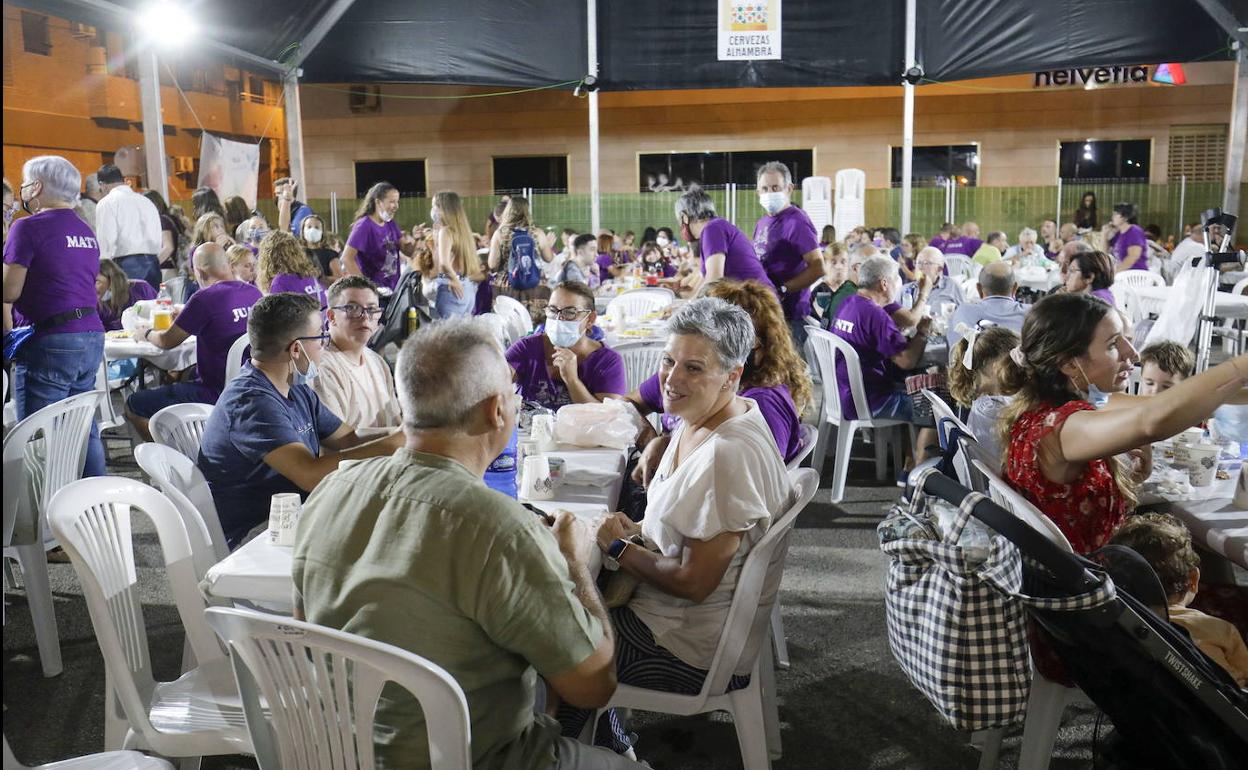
point(611, 558)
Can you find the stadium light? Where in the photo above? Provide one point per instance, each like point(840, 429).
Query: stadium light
point(165, 24)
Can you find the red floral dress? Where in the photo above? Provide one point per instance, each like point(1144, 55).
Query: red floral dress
point(1087, 511)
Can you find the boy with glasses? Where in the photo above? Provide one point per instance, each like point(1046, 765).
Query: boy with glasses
point(353, 381)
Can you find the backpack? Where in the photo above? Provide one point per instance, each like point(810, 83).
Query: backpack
point(523, 271)
point(392, 325)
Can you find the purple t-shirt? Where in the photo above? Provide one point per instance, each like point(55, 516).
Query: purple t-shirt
point(870, 329)
point(604, 267)
point(61, 257)
point(937, 243)
point(774, 402)
point(377, 250)
point(741, 262)
point(1134, 236)
point(601, 372)
point(1106, 295)
point(960, 245)
point(138, 290)
point(780, 240)
point(299, 285)
point(217, 315)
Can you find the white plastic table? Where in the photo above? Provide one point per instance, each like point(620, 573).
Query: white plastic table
point(1216, 524)
point(172, 360)
point(1037, 278)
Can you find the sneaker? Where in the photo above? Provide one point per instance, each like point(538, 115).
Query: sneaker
point(903, 478)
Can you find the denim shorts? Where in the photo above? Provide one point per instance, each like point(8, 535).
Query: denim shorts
point(897, 406)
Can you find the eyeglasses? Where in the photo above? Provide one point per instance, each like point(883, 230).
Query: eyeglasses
point(566, 313)
point(356, 312)
point(322, 338)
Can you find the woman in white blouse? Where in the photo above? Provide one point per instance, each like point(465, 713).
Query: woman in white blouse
point(720, 484)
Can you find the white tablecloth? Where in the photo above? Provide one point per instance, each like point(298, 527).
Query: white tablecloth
point(174, 359)
point(1037, 278)
point(646, 331)
point(1216, 524)
point(1153, 298)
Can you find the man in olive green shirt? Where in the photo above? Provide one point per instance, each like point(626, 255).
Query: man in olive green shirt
point(415, 551)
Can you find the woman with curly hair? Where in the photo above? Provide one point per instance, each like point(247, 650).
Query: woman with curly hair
point(975, 381)
point(775, 376)
point(284, 266)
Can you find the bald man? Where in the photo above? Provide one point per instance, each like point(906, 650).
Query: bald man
point(997, 305)
point(216, 315)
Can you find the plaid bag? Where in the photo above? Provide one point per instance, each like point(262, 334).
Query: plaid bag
point(957, 626)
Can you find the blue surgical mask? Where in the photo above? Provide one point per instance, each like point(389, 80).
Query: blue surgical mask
point(772, 201)
point(305, 378)
point(1096, 397)
point(563, 334)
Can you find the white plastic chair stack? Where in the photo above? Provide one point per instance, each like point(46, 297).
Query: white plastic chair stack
point(817, 201)
point(192, 716)
point(827, 348)
point(322, 687)
point(62, 430)
point(850, 203)
point(753, 707)
point(237, 357)
point(181, 426)
point(641, 361)
point(960, 267)
point(517, 317)
point(639, 302)
point(110, 760)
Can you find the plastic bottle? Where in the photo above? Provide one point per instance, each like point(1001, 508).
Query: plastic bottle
point(411, 323)
point(163, 298)
point(501, 475)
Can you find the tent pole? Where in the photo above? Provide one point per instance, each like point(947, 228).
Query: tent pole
point(294, 131)
point(907, 129)
point(1239, 125)
point(157, 171)
point(591, 47)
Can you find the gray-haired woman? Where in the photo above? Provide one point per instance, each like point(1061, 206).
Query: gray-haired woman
point(50, 263)
point(726, 251)
point(719, 486)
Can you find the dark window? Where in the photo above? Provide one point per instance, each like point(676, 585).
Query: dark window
point(933, 166)
point(677, 170)
point(548, 173)
point(407, 175)
point(1125, 159)
point(35, 35)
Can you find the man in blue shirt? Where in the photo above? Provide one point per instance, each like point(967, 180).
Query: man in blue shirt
point(997, 304)
point(269, 432)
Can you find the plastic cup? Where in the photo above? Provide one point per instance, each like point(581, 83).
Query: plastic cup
point(162, 319)
point(284, 511)
point(1202, 464)
point(536, 484)
point(542, 432)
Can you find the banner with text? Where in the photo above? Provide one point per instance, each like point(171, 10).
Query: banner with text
point(749, 30)
point(230, 168)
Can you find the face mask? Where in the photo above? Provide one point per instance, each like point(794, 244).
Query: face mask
point(107, 296)
point(258, 235)
point(878, 242)
point(313, 235)
point(563, 334)
point(661, 241)
point(26, 202)
point(773, 201)
point(435, 216)
point(1096, 397)
point(305, 378)
point(385, 215)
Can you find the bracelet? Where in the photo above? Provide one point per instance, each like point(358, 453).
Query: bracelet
point(147, 332)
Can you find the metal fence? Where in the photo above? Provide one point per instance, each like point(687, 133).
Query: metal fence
point(1009, 209)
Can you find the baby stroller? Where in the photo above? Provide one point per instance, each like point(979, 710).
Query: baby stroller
point(1171, 706)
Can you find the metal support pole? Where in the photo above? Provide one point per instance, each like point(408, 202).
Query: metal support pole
point(333, 211)
point(907, 121)
point(1235, 139)
point(1058, 217)
point(1178, 230)
point(591, 46)
point(157, 170)
point(294, 132)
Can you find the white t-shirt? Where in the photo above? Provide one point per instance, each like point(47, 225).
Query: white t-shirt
point(551, 269)
point(361, 395)
point(734, 481)
point(1181, 257)
point(983, 420)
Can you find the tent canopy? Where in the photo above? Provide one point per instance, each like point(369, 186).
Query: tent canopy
point(657, 44)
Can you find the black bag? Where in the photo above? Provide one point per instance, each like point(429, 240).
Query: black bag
point(393, 324)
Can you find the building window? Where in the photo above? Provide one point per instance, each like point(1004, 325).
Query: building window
point(1116, 159)
point(35, 35)
point(661, 172)
point(545, 173)
point(934, 166)
point(407, 175)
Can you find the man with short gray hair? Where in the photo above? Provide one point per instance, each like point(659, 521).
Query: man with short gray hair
point(997, 305)
point(786, 242)
point(416, 551)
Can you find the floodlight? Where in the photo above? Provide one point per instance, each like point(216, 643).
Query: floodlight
point(165, 24)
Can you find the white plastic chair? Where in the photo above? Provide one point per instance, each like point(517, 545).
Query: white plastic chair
point(237, 357)
point(322, 686)
point(817, 200)
point(960, 266)
point(971, 450)
point(806, 445)
point(640, 302)
point(1138, 279)
point(809, 435)
point(195, 715)
point(500, 328)
point(110, 760)
point(177, 476)
point(62, 428)
point(1007, 497)
point(515, 314)
point(753, 707)
point(849, 202)
point(641, 361)
point(108, 416)
point(181, 426)
point(826, 347)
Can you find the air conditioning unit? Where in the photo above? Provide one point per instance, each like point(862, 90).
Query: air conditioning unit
point(183, 164)
point(364, 98)
point(80, 31)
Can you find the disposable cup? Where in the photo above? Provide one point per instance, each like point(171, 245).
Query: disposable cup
point(1202, 464)
point(535, 482)
point(284, 511)
point(542, 432)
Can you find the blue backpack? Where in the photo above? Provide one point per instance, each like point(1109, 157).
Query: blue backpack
point(523, 271)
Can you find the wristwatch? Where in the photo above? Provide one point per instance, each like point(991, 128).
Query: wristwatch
point(611, 557)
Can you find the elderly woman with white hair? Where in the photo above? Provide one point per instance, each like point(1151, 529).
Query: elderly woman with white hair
point(50, 262)
point(1026, 251)
point(720, 485)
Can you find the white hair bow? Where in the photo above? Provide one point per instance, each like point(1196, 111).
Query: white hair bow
point(969, 333)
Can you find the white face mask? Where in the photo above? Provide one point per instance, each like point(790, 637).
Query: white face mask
point(563, 334)
point(773, 201)
point(386, 215)
point(661, 241)
point(313, 235)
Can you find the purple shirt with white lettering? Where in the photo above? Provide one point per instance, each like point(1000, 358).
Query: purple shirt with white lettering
point(781, 240)
point(217, 315)
point(298, 284)
point(741, 262)
point(377, 250)
point(600, 372)
point(1134, 236)
point(961, 245)
point(774, 402)
point(870, 329)
point(61, 258)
